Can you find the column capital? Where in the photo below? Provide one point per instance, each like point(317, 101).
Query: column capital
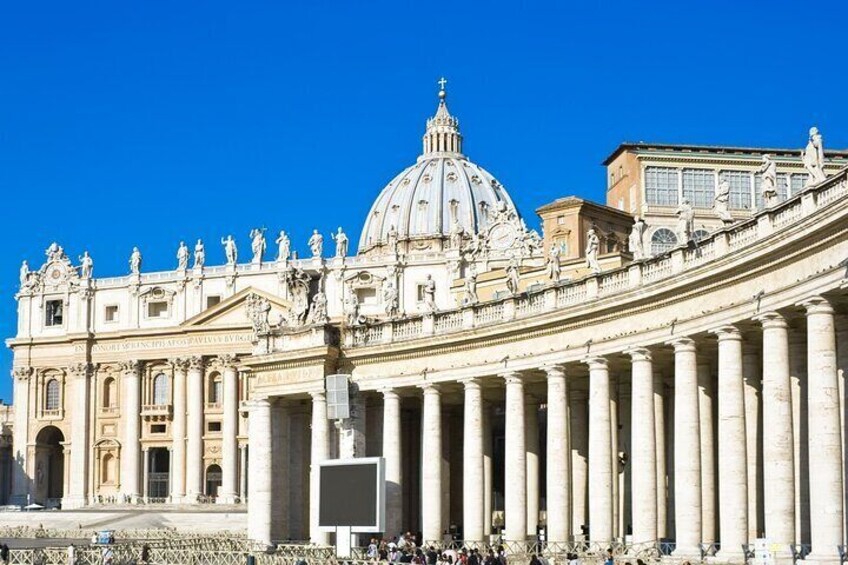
point(430, 388)
point(227, 361)
point(639, 354)
point(816, 305)
point(80, 370)
point(727, 333)
point(22, 373)
point(471, 383)
point(771, 320)
point(195, 363)
point(596, 362)
point(257, 404)
point(682, 344)
point(511, 377)
point(318, 396)
point(554, 371)
point(130, 366)
point(389, 392)
point(178, 364)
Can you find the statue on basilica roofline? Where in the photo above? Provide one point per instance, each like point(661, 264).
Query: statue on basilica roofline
point(135, 261)
point(554, 269)
point(182, 256)
point(768, 186)
point(471, 286)
point(721, 204)
point(25, 275)
point(230, 250)
point(593, 245)
point(342, 242)
point(199, 254)
point(685, 222)
point(636, 239)
point(257, 244)
point(512, 277)
point(352, 309)
point(813, 157)
point(55, 252)
point(283, 246)
point(392, 239)
point(316, 243)
point(390, 299)
point(429, 294)
point(86, 265)
point(457, 233)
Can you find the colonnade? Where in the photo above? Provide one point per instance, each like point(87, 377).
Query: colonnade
point(688, 478)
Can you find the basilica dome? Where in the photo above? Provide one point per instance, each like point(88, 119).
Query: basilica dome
point(442, 191)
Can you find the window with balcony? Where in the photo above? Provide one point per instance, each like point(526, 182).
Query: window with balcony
point(110, 393)
point(51, 395)
point(160, 390)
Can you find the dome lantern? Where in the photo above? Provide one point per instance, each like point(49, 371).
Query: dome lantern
point(442, 136)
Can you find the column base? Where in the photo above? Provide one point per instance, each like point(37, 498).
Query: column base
point(74, 502)
point(227, 499)
point(729, 556)
point(821, 557)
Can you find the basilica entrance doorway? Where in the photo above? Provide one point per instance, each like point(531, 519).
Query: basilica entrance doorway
point(158, 476)
point(213, 480)
point(49, 478)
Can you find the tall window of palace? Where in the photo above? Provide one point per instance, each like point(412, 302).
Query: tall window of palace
point(216, 388)
point(782, 189)
point(51, 395)
point(107, 469)
point(662, 241)
point(797, 182)
point(160, 389)
point(699, 187)
point(661, 186)
point(109, 393)
point(740, 188)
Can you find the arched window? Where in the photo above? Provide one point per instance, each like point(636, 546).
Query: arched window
point(107, 469)
point(160, 390)
point(216, 388)
point(109, 393)
point(663, 240)
point(700, 235)
point(51, 395)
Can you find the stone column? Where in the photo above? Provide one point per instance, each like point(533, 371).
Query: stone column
point(826, 502)
point(487, 470)
point(708, 478)
point(732, 445)
point(431, 466)
point(145, 474)
point(662, 472)
point(687, 456)
point(178, 432)
point(194, 429)
point(778, 444)
point(78, 479)
point(752, 377)
point(20, 438)
point(130, 414)
point(800, 432)
point(243, 473)
point(229, 429)
point(644, 448)
point(558, 457)
point(579, 423)
point(392, 451)
point(600, 452)
point(473, 480)
point(259, 497)
point(531, 446)
point(515, 465)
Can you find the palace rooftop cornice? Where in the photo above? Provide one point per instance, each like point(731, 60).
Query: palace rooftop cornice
point(681, 148)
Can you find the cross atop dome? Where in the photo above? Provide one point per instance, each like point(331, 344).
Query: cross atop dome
point(442, 135)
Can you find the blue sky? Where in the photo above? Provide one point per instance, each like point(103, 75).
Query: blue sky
point(144, 123)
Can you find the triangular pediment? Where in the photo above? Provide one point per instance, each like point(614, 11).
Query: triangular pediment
point(233, 311)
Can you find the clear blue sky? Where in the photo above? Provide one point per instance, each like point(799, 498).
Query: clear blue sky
point(144, 123)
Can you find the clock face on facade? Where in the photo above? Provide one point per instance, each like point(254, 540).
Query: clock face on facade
point(502, 236)
point(54, 273)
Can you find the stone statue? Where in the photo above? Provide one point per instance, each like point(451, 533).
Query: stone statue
point(813, 157)
point(257, 244)
point(24, 274)
point(318, 309)
point(182, 257)
point(430, 294)
point(471, 286)
point(316, 243)
point(392, 239)
point(554, 268)
point(768, 186)
point(456, 235)
point(593, 245)
point(297, 285)
point(722, 198)
point(230, 250)
point(636, 239)
point(135, 261)
point(284, 246)
point(685, 222)
point(52, 251)
point(199, 254)
point(512, 278)
point(352, 310)
point(390, 299)
point(86, 265)
point(342, 241)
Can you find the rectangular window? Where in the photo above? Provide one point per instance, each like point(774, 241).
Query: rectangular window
point(212, 301)
point(797, 182)
point(740, 188)
point(54, 313)
point(699, 187)
point(157, 428)
point(782, 188)
point(560, 220)
point(111, 313)
point(158, 309)
point(661, 186)
point(366, 296)
point(419, 293)
point(214, 427)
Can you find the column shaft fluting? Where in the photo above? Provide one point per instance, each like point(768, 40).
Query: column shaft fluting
point(558, 458)
point(194, 430)
point(732, 445)
point(515, 465)
point(644, 448)
point(392, 455)
point(229, 429)
point(600, 452)
point(778, 442)
point(472, 478)
point(825, 441)
point(687, 455)
point(431, 466)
